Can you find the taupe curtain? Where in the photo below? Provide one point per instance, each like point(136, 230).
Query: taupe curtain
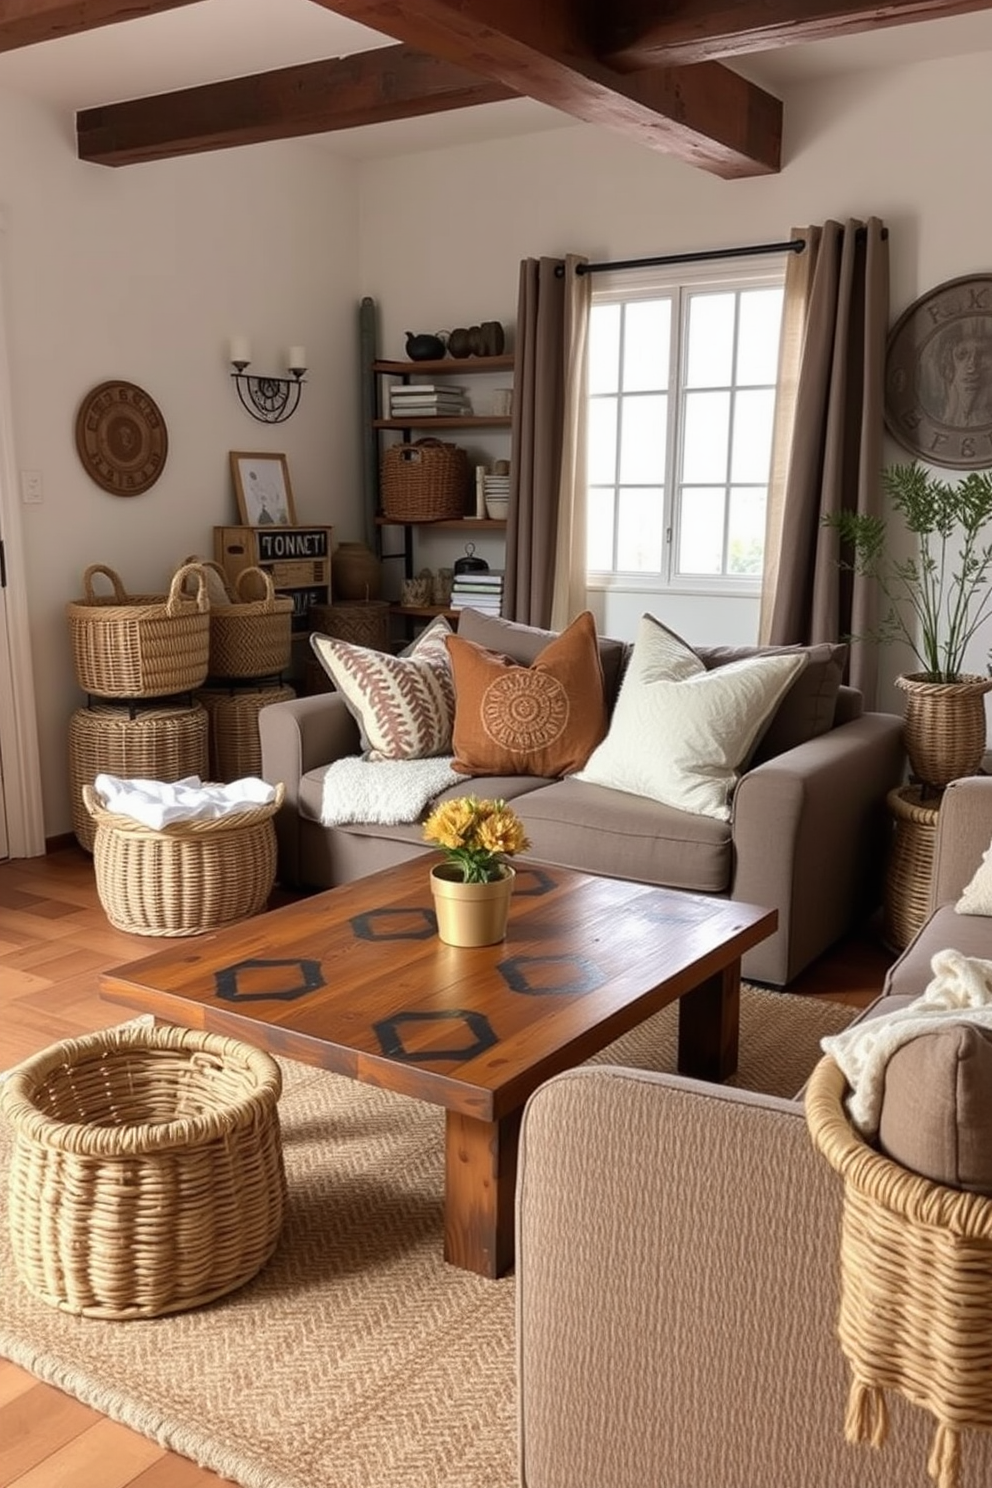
point(828, 438)
point(545, 539)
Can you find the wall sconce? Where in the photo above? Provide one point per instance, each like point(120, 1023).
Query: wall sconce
point(271, 400)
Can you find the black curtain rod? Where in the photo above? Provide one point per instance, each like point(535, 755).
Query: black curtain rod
point(793, 245)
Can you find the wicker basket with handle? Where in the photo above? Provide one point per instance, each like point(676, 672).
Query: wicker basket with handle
point(146, 1174)
point(249, 637)
point(141, 645)
point(426, 481)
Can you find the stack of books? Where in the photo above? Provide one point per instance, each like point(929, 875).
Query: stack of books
point(478, 591)
point(420, 398)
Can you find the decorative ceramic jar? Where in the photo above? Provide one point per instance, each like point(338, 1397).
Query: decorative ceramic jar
point(470, 914)
point(356, 572)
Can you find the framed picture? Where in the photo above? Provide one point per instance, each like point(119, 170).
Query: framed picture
point(261, 484)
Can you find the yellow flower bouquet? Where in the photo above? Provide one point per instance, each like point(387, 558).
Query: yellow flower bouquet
point(476, 836)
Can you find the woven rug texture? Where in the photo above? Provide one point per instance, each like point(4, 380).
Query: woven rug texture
point(357, 1358)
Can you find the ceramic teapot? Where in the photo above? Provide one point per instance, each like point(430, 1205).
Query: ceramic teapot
point(423, 347)
point(470, 564)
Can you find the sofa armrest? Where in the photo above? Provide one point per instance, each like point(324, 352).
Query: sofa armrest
point(964, 832)
point(811, 833)
point(299, 735)
point(677, 1295)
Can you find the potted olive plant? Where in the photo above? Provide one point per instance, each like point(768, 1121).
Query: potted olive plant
point(937, 598)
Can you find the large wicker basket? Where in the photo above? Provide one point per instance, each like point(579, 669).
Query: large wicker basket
point(188, 877)
point(248, 637)
point(916, 1287)
point(141, 645)
point(427, 481)
point(146, 1174)
point(234, 744)
point(944, 726)
point(906, 900)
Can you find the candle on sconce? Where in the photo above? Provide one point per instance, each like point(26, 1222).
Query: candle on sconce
point(296, 357)
point(240, 349)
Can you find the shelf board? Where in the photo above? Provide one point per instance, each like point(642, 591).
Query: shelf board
point(449, 366)
point(423, 611)
point(450, 524)
point(446, 421)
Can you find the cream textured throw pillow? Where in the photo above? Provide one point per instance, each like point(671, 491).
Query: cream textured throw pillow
point(403, 705)
point(976, 897)
point(680, 739)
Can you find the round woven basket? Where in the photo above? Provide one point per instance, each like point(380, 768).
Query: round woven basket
point(362, 622)
point(944, 726)
point(146, 1175)
point(906, 899)
point(916, 1286)
point(155, 744)
point(249, 637)
point(141, 645)
point(235, 747)
point(190, 876)
point(426, 481)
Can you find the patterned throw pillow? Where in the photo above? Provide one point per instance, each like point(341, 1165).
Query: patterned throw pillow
point(543, 719)
point(403, 705)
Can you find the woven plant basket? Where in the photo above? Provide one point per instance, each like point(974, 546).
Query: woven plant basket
point(156, 744)
point(190, 876)
point(362, 622)
point(916, 1287)
point(141, 645)
point(146, 1175)
point(426, 481)
point(248, 637)
point(906, 900)
point(235, 748)
point(944, 727)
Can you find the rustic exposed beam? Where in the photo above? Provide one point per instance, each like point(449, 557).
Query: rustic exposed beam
point(25, 22)
point(707, 116)
point(315, 98)
point(633, 34)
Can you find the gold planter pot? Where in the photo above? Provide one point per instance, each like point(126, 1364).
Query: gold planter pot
point(470, 914)
point(944, 726)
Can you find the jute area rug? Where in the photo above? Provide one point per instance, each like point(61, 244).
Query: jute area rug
point(357, 1358)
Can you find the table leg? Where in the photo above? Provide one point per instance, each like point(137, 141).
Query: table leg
point(479, 1188)
point(709, 1026)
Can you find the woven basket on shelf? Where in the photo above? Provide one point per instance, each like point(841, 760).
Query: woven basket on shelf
point(916, 1287)
point(248, 637)
point(146, 1174)
point(188, 877)
point(944, 726)
point(140, 645)
point(235, 749)
point(906, 899)
point(426, 481)
point(362, 622)
point(155, 743)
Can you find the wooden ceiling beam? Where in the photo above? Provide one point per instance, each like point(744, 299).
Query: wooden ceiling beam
point(314, 98)
point(706, 116)
point(633, 34)
point(25, 22)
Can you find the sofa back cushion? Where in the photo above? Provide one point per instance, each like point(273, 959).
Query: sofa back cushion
point(523, 644)
point(936, 1116)
point(809, 707)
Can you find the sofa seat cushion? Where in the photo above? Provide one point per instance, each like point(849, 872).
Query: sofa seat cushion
point(499, 787)
point(597, 830)
point(968, 934)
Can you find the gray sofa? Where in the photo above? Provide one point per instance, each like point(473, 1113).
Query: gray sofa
point(808, 835)
point(704, 1353)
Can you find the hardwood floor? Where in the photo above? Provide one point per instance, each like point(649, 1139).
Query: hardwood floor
point(54, 939)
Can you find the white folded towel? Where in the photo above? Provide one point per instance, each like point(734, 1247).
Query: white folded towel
point(156, 803)
point(960, 991)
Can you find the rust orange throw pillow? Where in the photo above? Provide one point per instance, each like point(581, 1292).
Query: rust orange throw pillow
point(545, 719)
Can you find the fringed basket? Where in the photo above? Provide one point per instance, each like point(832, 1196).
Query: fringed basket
point(147, 1174)
point(427, 481)
point(188, 877)
point(916, 1287)
point(248, 637)
point(944, 726)
point(235, 745)
point(907, 879)
point(141, 645)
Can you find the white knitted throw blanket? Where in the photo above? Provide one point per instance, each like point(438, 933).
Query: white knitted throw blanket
point(386, 792)
point(959, 992)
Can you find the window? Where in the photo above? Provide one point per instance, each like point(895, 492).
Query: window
point(681, 404)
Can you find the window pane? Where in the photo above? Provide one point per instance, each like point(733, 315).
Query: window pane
point(599, 529)
point(640, 515)
point(711, 340)
point(602, 440)
point(705, 437)
point(604, 348)
point(647, 345)
point(701, 530)
point(642, 438)
point(758, 336)
point(752, 449)
point(746, 534)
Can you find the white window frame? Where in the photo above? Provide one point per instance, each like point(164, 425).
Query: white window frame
point(611, 287)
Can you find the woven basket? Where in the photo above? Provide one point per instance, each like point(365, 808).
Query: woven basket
point(190, 876)
point(944, 726)
point(362, 622)
point(235, 747)
point(157, 743)
point(916, 1287)
point(146, 1174)
point(248, 637)
point(140, 645)
point(907, 879)
point(427, 481)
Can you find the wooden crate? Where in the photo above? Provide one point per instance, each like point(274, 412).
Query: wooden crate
point(298, 558)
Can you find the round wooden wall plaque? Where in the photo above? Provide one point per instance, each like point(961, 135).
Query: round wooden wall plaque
point(121, 438)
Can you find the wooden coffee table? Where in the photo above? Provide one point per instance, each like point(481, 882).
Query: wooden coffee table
point(355, 980)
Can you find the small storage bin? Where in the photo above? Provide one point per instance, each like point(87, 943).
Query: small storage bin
point(147, 1174)
point(235, 746)
point(141, 645)
point(362, 622)
point(188, 877)
point(427, 481)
